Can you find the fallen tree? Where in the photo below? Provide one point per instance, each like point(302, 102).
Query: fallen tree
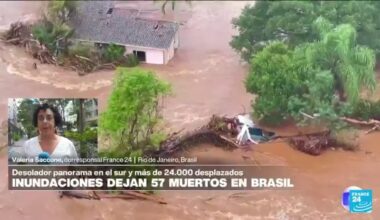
point(375, 124)
point(17, 34)
point(219, 131)
point(316, 143)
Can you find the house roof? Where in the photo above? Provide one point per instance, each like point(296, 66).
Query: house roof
point(94, 21)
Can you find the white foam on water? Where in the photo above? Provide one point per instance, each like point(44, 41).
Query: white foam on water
point(83, 86)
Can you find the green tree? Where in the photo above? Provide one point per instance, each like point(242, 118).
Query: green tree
point(59, 11)
point(291, 22)
point(250, 26)
point(363, 16)
point(322, 77)
point(337, 51)
point(133, 111)
point(53, 31)
point(25, 116)
point(275, 77)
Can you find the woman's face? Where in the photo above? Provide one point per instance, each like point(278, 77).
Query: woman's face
point(46, 123)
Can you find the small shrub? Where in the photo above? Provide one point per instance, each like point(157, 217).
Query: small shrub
point(157, 138)
point(43, 33)
point(366, 110)
point(53, 36)
point(82, 49)
point(348, 139)
point(130, 60)
point(88, 135)
point(16, 136)
point(113, 53)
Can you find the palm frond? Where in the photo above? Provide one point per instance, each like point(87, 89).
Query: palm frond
point(322, 26)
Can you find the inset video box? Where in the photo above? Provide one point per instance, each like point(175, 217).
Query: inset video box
point(52, 130)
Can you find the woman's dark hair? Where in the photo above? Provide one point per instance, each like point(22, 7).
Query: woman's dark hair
point(44, 107)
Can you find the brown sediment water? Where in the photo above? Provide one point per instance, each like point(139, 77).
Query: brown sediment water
point(207, 78)
point(13, 86)
point(319, 183)
point(319, 180)
point(18, 10)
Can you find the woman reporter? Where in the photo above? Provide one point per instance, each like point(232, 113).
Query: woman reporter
point(48, 144)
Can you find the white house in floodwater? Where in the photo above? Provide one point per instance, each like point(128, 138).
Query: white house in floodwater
point(152, 41)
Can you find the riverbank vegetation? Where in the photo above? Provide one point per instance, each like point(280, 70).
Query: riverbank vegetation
point(311, 61)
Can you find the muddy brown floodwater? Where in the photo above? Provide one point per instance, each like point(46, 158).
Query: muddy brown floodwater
point(207, 78)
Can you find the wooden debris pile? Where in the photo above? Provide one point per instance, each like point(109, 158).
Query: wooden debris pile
point(218, 131)
point(179, 143)
point(20, 34)
point(223, 125)
point(83, 65)
point(313, 144)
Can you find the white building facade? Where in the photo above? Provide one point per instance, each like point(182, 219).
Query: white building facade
point(152, 55)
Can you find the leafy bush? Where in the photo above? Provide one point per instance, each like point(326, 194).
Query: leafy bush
point(348, 139)
point(366, 110)
point(52, 35)
point(89, 135)
point(16, 136)
point(130, 60)
point(113, 53)
point(82, 49)
point(43, 33)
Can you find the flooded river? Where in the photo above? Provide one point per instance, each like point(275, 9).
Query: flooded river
point(207, 77)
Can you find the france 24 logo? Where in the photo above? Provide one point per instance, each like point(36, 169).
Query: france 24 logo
point(357, 200)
